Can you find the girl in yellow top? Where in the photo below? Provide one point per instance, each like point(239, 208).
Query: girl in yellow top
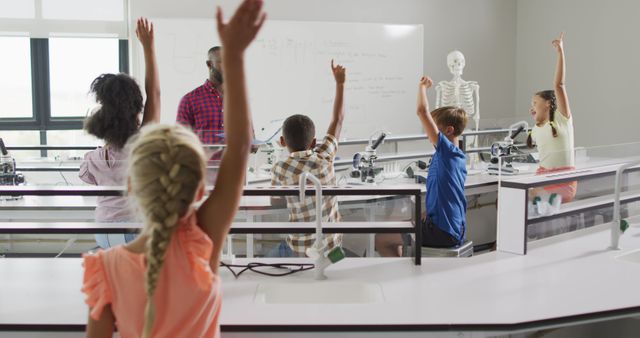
point(553, 130)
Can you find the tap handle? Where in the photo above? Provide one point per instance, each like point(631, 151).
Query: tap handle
point(303, 182)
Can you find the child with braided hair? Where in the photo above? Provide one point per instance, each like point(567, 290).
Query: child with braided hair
point(553, 131)
point(165, 283)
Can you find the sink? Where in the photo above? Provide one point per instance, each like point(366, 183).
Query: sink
point(322, 292)
point(633, 256)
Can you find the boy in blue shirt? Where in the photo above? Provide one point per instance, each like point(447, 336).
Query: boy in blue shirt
point(445, 223)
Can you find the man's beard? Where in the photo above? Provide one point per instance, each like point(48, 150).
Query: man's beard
point(217, 75)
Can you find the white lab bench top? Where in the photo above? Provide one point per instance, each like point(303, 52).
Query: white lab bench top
point(90, 202)
point(604, 168)
point(565, 278)
point(475, 184)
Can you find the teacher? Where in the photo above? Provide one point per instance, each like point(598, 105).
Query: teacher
point(201, 109)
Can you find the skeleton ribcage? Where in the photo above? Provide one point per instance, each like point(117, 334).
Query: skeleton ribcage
point(461, 96)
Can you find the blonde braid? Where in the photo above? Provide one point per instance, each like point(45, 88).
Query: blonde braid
point(166, 168)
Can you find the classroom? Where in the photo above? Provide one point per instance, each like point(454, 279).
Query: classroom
point(337, 168)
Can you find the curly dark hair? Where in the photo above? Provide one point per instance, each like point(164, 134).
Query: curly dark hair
point(121, 102)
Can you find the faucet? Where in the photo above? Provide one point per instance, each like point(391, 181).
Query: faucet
point(619, 225)
point(321, 258)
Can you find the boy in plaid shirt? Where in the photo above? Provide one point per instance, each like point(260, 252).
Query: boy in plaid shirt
point(298, 135)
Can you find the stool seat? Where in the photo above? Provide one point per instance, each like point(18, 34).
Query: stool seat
point(463, 250)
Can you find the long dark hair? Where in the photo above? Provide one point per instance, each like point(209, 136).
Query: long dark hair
point(548, 95)
point(121, 102)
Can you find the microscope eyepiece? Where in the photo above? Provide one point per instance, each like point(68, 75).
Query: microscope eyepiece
point(517, 132)
point(378, 141)
point(3, 148)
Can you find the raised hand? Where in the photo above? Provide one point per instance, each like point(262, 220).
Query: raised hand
point(559, 79)
point(335, 126)
point(426, 82)
point(558, 44)
point(423, 111)
point(339, 72)
point(242, 28)
point(144, 32)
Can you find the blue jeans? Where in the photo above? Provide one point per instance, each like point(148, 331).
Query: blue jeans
point(106, 241)
point(281, 250)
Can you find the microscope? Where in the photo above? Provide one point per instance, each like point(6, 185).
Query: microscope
point(364, 162)
point(506, 150)
point(8, 174)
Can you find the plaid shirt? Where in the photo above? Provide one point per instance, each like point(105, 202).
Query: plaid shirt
point(201, 109)
point(318, 162)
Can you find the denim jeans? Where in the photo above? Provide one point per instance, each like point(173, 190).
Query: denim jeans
point(281, 250)
point(106, 241)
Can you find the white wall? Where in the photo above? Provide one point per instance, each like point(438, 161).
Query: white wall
point(603, 63)
point(483, 29)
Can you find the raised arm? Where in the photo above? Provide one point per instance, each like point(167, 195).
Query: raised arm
point(217, 212)
point(559, 81)
point(424, 115)
point(145, 33)
point(335, 127)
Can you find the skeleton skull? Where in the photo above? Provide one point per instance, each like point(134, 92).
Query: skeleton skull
point(456, 62)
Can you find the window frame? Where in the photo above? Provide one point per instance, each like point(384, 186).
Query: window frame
point(41, 118)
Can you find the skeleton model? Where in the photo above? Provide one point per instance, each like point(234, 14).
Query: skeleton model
point(458, 92)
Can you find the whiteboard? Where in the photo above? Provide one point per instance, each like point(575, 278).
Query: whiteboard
point(288, 71)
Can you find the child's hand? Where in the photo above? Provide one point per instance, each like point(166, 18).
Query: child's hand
point(144, 32)
point(339, 73)
point(242, 28)
point(426, 82)
point(557, 43)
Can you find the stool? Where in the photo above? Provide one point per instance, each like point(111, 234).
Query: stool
point(463, 250)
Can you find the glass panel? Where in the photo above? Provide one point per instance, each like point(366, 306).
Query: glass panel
point(47, 245)
point(581, 196)
point(74, 64)
point(101, 10)
point(15, 82)
point(21, 9)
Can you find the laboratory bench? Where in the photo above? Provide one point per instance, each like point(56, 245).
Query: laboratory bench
point(565, 279)
point(63, 205)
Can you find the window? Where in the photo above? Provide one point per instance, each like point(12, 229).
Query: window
point(21, 138)
point(70, 138)
point(17, 9)
point(51, 52)
point(15, 82)
point(90, 10)
point(40, 18)
point(74, 63)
